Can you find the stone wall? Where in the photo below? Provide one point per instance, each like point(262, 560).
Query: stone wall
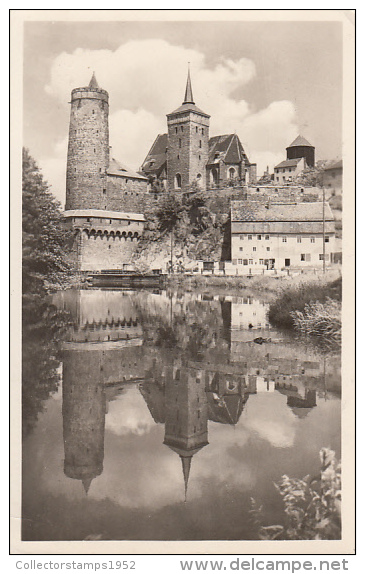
point(126, 194)
point(88, 149)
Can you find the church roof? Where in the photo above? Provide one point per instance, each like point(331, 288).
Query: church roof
point(228, 148)
point(120, 169)
point(300, 141)
point(188, 104)
point(226, 409)
point(156, 157)
point(188, 99)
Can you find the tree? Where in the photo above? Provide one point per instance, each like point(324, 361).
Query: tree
point(169, 212)
point(46, 241)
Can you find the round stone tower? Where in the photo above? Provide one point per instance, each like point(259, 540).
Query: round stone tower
point(88, 148)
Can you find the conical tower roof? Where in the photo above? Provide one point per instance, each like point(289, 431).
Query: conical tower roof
point(93, 82)
point(188, 99)
point(186, 464)
point(86, 484)
point(300, 141)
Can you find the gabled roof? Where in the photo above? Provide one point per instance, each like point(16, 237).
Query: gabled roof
point(228, 147)
point(118, 168)
point(156, 157)
point(254, 211)
point(335, 165)
point(300, 141)
point(289, 162)
point(188, 107)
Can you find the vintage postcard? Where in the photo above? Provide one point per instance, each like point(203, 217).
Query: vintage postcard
point(183, 273)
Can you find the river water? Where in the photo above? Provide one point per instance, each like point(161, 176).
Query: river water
point(159, 415)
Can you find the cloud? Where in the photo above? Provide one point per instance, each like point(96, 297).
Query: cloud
point(146, 79)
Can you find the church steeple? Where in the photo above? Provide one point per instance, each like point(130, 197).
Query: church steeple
point(86, 482)
point(186, 463)
point(188, 99)
point(93, 82)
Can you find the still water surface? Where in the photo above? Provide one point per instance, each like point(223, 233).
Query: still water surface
point(158, 417)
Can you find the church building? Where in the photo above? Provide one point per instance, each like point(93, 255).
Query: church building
point(187, 156)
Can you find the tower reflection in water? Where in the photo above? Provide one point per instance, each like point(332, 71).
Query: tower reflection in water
point(105, 352)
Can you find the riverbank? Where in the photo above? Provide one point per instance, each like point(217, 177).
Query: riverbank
point(268, 286)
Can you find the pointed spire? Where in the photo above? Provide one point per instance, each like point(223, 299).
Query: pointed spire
point(186, 463)
point(86, 484)
point(93, 83)
point(188, 90)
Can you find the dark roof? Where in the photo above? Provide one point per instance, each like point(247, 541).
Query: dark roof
point(188, 99)
point(117, 168)
point(188, 107)
point(335, 165)
point(156, 157)
point(289, 162)
point(300, 141)
point(228, 147)
point(254, 211)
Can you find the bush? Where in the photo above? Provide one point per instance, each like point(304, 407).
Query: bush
point(322, 320)
point(312, 506)
point(295, 299)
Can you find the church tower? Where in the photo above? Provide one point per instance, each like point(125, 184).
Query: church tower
point(88, 148)
point(188, 144)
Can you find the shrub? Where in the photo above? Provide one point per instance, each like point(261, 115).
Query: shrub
point(322, 320)
point(312, 506)
point(296, 298)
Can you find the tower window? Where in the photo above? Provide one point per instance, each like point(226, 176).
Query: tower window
point(178, 156)
point(200, 143)
point(175, 130)
point(182, 128)
point(93, 111)
point(200, 157)
point(104, 190)
point(179, 142)
point(196, 129)
point(177, 181)
point(202, 131)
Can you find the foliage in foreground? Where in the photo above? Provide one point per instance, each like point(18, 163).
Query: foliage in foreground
point(295, 299)
point(312, 506)
point(320, 320)
point(45, 238)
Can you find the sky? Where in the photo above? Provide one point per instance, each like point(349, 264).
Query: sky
point(266, 81)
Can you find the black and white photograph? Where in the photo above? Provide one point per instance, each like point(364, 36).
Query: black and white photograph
point(184, 275)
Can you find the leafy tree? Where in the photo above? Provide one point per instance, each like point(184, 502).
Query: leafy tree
point(169, 212)
point(46, 240)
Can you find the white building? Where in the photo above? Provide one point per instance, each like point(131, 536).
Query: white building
point(278, 236)
point(286, 171)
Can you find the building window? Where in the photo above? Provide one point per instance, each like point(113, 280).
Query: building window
point(313, 239)
point(245, 262)
point(202, 131)
point(239, 261)
point(196, 129)
point(175, 130)
point(261, 261)
point(254, 249)
point(250, 261)
point(88, 219)
point(326, 239)
point(259, 237)
point(178, 156)
point(267, 248)
point(241, 237)
point(200, 157)
point(177, 181)
point(182, 128)
point(179, 142)
point(299, 239)
point(200, 143)
point(104, 191)
point(283, 239)
point(302, 257)
point(249, 237)
point(231, 173)
point(321, 257)
point(305, 257)
point(241, 248)
point(267, 237)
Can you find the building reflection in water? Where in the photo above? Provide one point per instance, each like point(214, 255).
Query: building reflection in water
point(105, 351)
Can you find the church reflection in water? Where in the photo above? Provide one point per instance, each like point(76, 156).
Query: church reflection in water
point(106, 351)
